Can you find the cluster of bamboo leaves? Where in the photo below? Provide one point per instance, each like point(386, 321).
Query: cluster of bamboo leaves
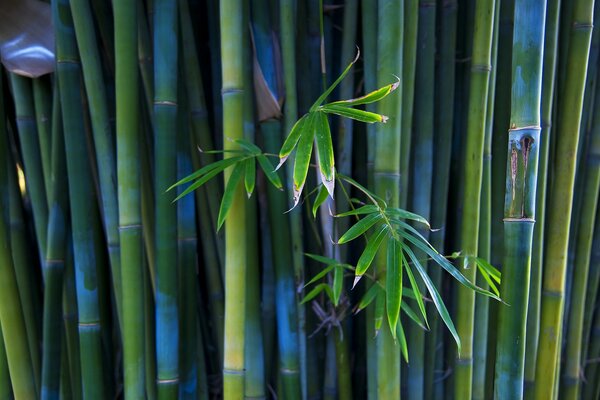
point(152, 247)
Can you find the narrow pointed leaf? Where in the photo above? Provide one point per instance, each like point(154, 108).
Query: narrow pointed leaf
point(303, 154)
point(374, 198)
point(353, 113)
point(368, 297)
point(270, 173)
point(368, 209)
point(316, 290)
point(201, 182)
point(435, 297)
point(290, 142)
point(372, 97)
point(327, 92)
point(322, 259)
point(415, 289)
point(360, 227)
point(412, 314)
point(393, 284)
point(321, 274)
point(398, 212)
point(325, 151)
point(248, 146)
point(489, 268)
point(320, 199)
point(379, 310)
point(365, 260)
point(215, 166)
point(234, 179)
point(250, 176)
point(402, 340)
point(338, 283)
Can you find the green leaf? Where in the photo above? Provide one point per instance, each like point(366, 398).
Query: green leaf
point(250, 178)
point(393, 284)
point(248, 146)
point(290, 142)
point(325, 151)
point(320, 199)
point(228, 195)
point(435, 296)
point(270, 173)
point(322, 259)
point(353, 113)
point(402, 340)
point(325, 94)
point(372, 97)
point(398, 212)
point(374, 198)
point(321, 274)
point(360, 227)
point(489, 268)
point(412, 314)
point(379, 310)
point(368, 209)
point(368, 297)
point(303, 154)
point(415, 289)
point(217, 166)
point(338, 283)
point(201, 182)
point(366, 258)
point(316, 290)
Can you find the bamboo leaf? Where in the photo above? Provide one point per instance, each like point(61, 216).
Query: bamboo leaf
point(215, 166)
point(360, 227)
point(248, 146)
point(234, 179)
point(393, 284)
point(338, 283)
point(412, 314)
point(327, 92)
point(372, 97)
point(415, 289)
point(374, 198)
point(489, 268)
point(303, 154)
point(321, 197)
point(321, 274)
point(316, 290)
point(368, 297)
point(270, 173)
point(435, 296)
point(325, 151)
point(379, 310)
point(199, 183)
point(353, 113)
point(322, 259)
point(250, 176)
point(366, 258)
point(398, 212)
point(402, 340)
point(298, 129)
point(367, 209)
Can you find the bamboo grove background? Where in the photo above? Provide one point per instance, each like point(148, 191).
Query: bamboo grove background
point(110, 289)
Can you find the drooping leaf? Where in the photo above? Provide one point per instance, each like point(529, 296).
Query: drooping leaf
point(435, 296)
point(303, 154)
point(270, 173)
point(321, 274)
point(393, 284)
point(368, 297)
point(489, 268)
point(325, 151)
point(412, 314)
point(316, 290)
point(320, 199)
point(367, 209)
point(379, 311)
point(360, 227)
point(322, 259)
point(415, 289)
point(290, 142)
point(248, 146)
point(201, 182)
point(398, 212)
point(372, 97)
point(327, 92)
point(250, 177)
point(217, 166)
point(338, 283)
point(228, 194)
point(366, 258)
point(353, 113)
point(402, 340)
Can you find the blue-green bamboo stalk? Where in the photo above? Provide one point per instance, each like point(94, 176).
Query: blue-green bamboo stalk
point(70, 322)
point(165, 52)
point(5, 384)
point(82, 201)
point(42, 99)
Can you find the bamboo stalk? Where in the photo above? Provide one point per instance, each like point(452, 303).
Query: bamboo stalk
point(129, 198)
point(42, 100)
point(560, 201)
point(478, 93)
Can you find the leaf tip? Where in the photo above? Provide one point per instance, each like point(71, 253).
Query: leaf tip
point(384, 118)
point(281, 162)
point(356, 280)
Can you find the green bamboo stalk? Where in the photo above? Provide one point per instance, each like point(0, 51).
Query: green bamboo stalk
point(103, 137)
point(591, 388)
point(34, 174)
point(165, 52)
point(235, 226)
point(5, 384)
point(14, 331)
point(330, 379)
point(591, 292)
point(129, 198)
point(422, 172)
point(386, 173)
point(560, 201)
point(480, 341)
point(478, 94)
point(570, 387)
point(444, 119)
point(144, 51)
point(521, 181)
point(55, 263)
point(70, 322)
point(548, 79)
point(42, 99)
point(82, 201)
